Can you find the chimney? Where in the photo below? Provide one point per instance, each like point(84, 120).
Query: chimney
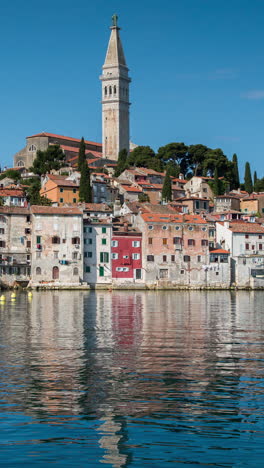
point(181, 176)
point(125, 227)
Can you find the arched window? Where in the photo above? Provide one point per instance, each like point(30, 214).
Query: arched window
point(75, 271)
point(105, 90)
point(55, 273)
point(110, 90)
point(38, 271)
point(55, 240)
point(114, 89)
point(20, 163)
point(32, 148)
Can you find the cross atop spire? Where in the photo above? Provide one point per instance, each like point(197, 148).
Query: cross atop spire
point(114, 21)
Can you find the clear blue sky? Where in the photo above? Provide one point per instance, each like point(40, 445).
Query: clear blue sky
point(197, 71)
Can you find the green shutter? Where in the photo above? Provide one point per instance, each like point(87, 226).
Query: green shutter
point(103, 241)
point(106, 257)
point(101, 271)
point(104, 230)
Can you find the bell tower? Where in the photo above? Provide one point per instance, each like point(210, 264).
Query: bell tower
point(115, 97)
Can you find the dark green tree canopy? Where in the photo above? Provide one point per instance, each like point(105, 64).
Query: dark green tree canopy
point(81, 156)
point(176, 154)
point(236, 180)
point(32, 192)
point(166, 189)
point(144, 156)
point(248, 178)
point(85, 190)
point(197, 156)
point(12, 174)
point(122, 163)
point(52, 158)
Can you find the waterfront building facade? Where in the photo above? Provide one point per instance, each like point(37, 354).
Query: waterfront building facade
point(126, 253)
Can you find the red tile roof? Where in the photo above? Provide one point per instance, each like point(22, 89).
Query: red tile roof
point(220, 251)
point(12, 193)
point(128, 188)
point(248, 228)
point(55, 210)
point(61, 181)
point(97, 207)
point(172, 218)
point(14, 210)
point(62, 137)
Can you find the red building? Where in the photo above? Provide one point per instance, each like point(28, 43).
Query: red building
point(126, 253)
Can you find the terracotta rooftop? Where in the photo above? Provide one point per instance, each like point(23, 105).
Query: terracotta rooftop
point(220, 251)
point(247, 228)
point(62, 137)
point(61, 181)
point(128, 188)
point(11, 193)
point(14, 210)
point(172, 218)
point(97, 207)
point(54, 210)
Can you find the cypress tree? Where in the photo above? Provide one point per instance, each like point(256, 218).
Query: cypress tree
point(85, 191)
point(236, 181)
point(121, 162)
point(81, 157)
point(217, 183)
point(255, 180)
point(166, 189)
point(248, 178)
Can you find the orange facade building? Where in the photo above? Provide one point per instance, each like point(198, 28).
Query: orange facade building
point(60, 190)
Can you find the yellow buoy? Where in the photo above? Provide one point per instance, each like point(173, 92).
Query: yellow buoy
point(13, 295)
point(2, 298)
point(30, 294)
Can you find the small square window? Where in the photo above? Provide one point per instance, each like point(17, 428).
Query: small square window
point(103, 241)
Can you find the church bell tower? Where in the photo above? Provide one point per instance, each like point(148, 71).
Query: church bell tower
point(115, 97)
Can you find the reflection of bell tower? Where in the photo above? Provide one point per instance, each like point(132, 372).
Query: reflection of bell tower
point(115, 97)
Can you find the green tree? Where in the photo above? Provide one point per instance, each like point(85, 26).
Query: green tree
point(259, 186)
point(33, 195)
point(176, 154)
point(122, 163)
point(144, 156)
point(248, 178)
point(81, 157)
point(85, 190)
point(143, 197)
point(12, 174)
point(197, 155)
point(255, 178)
point(217, 183)
point(166, 189)
point(52, 158)
point(236, 181)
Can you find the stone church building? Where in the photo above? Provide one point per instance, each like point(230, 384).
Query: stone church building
point(115, 114)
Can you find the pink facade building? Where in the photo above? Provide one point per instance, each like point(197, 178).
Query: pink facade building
point(126, 253)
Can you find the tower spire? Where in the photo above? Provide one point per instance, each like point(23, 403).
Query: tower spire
point(115, 96)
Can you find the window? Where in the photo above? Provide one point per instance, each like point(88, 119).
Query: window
point(89, 229)
point(103, 230)
point(90, 254)
point(75, 271)
point(205, 190)
point(122, 269)
point(252, 247)
point(74, 255)
point(199, 258)
point(150, 240)
point(76, 240)
point(61, 190)
point(104, 257)
point(135, 243)
point(177, 240)
point(56, 254)
point(103, 241)
point(186, 258)
point(20, 163)
point(32, 148)
point(114, 256)
point(87, 269)
point(38, 240)
point(173, 258)
point(2, 231)
point(74, 190)
point(38, 271)
point(204, 242)
point(74, 200)
point(260, 246)
point(55, 240)
point(260, 237)
point(182, 272)
point(191, 242)
point(61, 200)
point(110, 92)
point(164, 258)
point(211, 232)
point(150, 227)
point(114, 89)
point(190, 228)
point(247, 236)
point(164, 228)
point(177, 228)
point(164, 273)
point(105, 90)
point(136, 256)
point(90, 241)
point(247, 246)
point(28, 244)
point(101, 271)
point(150, 258)
point(2, 219)
point(203, 228)
point(38, 254)
point(164, 241)
point(114, 243)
